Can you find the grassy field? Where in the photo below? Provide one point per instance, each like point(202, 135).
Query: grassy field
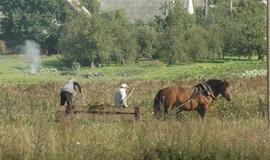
point(14, 69)
point(234, 130)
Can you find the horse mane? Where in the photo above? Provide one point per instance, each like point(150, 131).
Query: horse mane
point(217, 85)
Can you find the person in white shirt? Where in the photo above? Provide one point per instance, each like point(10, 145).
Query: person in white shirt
point(67, 92)
point(120, 98)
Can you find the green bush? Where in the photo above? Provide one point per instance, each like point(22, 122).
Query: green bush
point(76, 66)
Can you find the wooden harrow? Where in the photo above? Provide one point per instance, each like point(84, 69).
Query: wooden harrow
point(103, 112)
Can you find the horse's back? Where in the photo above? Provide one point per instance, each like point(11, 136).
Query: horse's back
point(184, 93)
point(174, 93)
point(172, 96)
point(168, 91)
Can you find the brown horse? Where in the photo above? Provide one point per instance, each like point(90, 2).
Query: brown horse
point(199, 98)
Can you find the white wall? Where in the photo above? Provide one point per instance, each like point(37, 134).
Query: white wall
point(138, 9)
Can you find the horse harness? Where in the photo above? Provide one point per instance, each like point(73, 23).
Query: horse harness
point(205, 90)
point(201, 89)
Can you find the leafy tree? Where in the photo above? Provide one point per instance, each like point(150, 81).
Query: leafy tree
point(197, 45)
point(243, 29)
point(147, 41)
point(124, 36)
point(35, 20)
point(214, 40)
point(100, 39)
point(176, 24)
point(252, 14)
point(92, 5)
point(86, 40)
point(107, 37)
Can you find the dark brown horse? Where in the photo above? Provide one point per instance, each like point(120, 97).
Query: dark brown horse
point(199, 97)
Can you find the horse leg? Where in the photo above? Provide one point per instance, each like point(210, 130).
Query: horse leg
point(201, 110)
point(166, 109)
point(157, 107)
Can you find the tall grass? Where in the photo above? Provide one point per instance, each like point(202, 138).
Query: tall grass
point(230, 131)
point(211, 139)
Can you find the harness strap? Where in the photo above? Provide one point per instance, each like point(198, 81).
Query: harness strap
point(208, 90)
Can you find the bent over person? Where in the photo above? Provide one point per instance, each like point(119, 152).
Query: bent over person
point(67, 92)
point(120, 98)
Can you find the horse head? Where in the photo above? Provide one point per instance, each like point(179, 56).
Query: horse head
point(226, 89)
point(221, 87)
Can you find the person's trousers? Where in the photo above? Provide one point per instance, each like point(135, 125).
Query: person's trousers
point(66, 97)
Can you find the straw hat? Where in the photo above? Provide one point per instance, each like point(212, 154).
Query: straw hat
point(124, 85)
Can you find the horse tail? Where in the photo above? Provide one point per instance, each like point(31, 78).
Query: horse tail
point(157, 103)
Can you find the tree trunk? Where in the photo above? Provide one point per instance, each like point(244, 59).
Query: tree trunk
point(259, 54)
point(206, 8)
point(123, 62)
point(92, 64)
point(213, 55)
point(45, 50)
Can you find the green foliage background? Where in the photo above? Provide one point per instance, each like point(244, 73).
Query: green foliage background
point(110, 38)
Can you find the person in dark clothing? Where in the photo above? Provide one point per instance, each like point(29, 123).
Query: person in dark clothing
point(67, 92)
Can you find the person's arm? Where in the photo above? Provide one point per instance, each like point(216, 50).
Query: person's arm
point(125, 102)
point(78, 85)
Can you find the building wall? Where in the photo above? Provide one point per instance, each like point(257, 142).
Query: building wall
point(139, 9)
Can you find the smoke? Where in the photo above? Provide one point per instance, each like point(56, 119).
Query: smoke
point(32, 52)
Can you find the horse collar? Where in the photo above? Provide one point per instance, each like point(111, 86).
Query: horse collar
point(207, 88)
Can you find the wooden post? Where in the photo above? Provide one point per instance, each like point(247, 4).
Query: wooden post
point(137, 113)
point(268, 61)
